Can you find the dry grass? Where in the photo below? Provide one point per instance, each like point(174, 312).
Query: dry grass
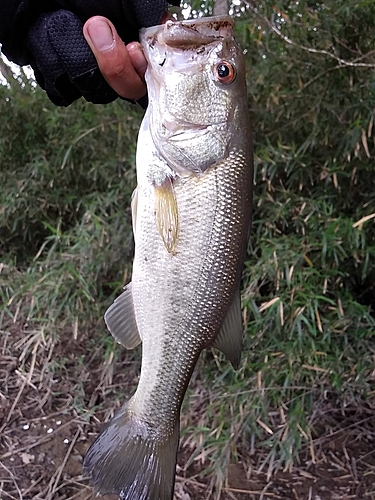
point(52, 407)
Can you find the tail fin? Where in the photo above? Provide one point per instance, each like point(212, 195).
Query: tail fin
point(127, 461)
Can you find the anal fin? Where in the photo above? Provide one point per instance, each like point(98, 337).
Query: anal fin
point(120, 320)
point(230, 338)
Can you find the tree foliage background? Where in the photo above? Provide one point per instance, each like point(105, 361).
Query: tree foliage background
point(66, 177)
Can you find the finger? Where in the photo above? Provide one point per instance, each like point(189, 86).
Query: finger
point(114, 59)
point(138, 59)
point(136, 53)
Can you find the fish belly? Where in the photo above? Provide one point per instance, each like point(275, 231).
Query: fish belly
point(181, 297)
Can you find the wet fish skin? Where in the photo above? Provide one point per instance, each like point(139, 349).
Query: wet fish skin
point(191, 217)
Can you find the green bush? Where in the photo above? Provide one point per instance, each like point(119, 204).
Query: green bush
point(66, 178)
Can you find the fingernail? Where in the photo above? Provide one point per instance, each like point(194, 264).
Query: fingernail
point(101, 34)
point(134, 46)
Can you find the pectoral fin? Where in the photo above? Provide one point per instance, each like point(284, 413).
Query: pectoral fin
point(229, 340)
point(166, 214)
point(120, 320)
point(134, 206)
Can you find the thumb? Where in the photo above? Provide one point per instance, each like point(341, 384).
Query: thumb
point(122, 68)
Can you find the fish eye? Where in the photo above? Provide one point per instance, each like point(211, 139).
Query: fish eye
point(225, 72)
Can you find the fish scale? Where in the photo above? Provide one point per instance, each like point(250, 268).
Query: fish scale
point(191, 218)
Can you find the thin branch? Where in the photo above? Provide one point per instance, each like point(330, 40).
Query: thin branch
point(317, 77)
point(343, 62)
point(13, 479)
point(52, 487)
point(221, 8)
point(6, 72)
point(40, 441)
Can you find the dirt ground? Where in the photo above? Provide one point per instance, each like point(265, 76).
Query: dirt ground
point(47, 423)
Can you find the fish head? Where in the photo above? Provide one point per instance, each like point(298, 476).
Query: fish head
point(196, 85)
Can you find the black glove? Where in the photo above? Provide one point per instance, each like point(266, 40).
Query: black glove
point(47, 34)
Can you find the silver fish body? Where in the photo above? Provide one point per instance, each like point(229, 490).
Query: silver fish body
point(191, 217)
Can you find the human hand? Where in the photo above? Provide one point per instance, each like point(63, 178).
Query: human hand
point(54, 44)
point(123, 66)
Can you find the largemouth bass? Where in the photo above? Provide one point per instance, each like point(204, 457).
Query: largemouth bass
point(191, 218)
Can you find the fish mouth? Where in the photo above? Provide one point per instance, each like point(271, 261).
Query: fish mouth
point(191, 33)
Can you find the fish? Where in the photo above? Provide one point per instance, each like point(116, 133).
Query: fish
point(191, 215)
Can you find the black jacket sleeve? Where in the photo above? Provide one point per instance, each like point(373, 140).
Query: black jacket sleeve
point(8, 8)
point(47, 34)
